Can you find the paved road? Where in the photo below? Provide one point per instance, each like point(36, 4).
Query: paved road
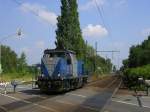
point(128, 103)
point(121, 106)
point(94, 97)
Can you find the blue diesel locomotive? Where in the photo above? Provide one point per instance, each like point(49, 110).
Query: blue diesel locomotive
point(61, 71)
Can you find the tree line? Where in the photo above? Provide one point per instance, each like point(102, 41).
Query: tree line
point(139, 55)
point(137, 65)
point(12, 63)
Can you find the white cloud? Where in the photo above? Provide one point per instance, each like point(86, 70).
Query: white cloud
point(41, 12)
point(26, 50)
point(94, 31)
point(91, 3)
point(146, 32)
point(40, 44)
point(120, 3)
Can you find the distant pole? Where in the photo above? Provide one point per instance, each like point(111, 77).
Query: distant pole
point(112, 62)
point(32, 78)
point(118, 60)
point(86, 51)
point(33, 74)
point(95, 57)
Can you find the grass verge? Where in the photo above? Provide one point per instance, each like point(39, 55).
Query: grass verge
point(7, 77)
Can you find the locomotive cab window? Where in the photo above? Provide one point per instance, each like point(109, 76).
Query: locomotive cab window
point(68, 59)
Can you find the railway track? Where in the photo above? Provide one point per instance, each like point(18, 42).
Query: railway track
point(90, 82)
point(88, 99)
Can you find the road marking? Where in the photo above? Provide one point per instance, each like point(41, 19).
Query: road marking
point(4, 83)
point(24, 87)
point(32, 95)
point(83, 106)
point(3, 108)
point(79, 95)
point(35, 104)
point(130, 103)
point(145, 97)
point(60, 101)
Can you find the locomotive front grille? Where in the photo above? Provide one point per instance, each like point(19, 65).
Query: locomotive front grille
point(50, 64)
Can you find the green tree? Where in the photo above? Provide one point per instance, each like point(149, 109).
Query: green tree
point(77, 41)
point(68, 33)
point(114, 69)
point(125, 65)
point(139, 55)
point(22, 65)
point(8, 59)
point(62, 32)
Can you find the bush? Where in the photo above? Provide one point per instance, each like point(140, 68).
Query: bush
point(131, 76)
point(143, 71)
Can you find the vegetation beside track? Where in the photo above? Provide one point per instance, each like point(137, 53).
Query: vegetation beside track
point(14, 66)
point(7, 77)
point(143, 72)
point(137, 66)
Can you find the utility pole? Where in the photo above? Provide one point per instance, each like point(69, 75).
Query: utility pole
point(86, 51)
point(107, 51)
point(95, 56)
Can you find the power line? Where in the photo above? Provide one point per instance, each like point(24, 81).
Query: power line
point(20, 4)
point(107, 26)
point(100, 13)
point(34, 12)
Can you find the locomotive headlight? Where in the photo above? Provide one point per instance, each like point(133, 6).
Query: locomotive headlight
point(62, 78)
point(59, 75)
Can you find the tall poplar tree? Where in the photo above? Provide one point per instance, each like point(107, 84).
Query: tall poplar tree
point(62, 32)
point(68, 33)
point(76, 34)
point(69, 36)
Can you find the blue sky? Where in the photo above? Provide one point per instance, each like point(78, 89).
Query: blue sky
point(126, 23)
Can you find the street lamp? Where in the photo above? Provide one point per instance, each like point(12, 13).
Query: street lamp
point(18, 33)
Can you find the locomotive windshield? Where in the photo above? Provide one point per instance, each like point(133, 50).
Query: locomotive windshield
point(59, 62)
point(55, 54)
point(66, 55)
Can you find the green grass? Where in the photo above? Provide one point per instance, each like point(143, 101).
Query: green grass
point(16, 76)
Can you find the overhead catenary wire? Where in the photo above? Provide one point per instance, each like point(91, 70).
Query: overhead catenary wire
point(34, 12)
point(99, 9)
point(101, 14)
point(20, 4)
point(106, 25)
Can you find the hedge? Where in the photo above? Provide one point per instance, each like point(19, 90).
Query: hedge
point(131, 76)
point(143, 71)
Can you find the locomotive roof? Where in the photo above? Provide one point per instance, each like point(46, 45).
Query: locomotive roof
point(47, 51)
